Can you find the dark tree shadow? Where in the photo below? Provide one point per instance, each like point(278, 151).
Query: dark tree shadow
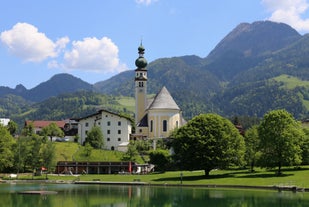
point(236, 174)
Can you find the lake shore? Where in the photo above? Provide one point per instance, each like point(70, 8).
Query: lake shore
point(278, 188)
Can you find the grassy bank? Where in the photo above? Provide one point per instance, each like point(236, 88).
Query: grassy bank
point(290, 177)
point(70, 151)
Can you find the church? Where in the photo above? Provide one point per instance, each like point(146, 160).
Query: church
point(157, 117)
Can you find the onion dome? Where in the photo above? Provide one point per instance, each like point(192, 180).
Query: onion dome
point(141, 62)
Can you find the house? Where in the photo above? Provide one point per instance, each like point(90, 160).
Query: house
point(158, 117)
point(68, 126)
point(38, 125)
point(116, 129)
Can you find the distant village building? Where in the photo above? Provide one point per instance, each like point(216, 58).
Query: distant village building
point(69, 126)
point(116, 129)
point(4, 121)
point(38, 125)
point(155, 118)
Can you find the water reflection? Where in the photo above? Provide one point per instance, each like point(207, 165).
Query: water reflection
point(128, 196)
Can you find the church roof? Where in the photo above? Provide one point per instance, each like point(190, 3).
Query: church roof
point(163, 100)
point(144, 121)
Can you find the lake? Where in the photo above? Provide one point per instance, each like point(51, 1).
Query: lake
point(73, 195)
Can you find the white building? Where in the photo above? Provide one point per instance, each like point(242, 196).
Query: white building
point(116, 129)
point(4, 121)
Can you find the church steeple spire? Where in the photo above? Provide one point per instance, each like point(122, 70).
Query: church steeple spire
point(141, 62)
point(140, 84)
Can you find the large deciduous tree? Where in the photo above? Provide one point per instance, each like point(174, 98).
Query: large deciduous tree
point(305, 147)
point(281, 137)
point(95, 137)
point(160, 158)
point(206, 142)
point(48, 155)
point(252, 142)
point(7, 143)
point(52, 130)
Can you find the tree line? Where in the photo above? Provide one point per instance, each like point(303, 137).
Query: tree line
point(29, 151)
point(209, 142)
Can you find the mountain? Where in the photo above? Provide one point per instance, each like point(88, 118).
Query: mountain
point(247, 45)
point(121, 84)
point(58, 84)
point(257, 67)
point(233, 78)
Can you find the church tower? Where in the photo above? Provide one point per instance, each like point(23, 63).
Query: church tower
point(140, 85)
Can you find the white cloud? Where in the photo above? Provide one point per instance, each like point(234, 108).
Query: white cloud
point(25, 42)
point(289, 12)
point(92, 54)
point(145, 2)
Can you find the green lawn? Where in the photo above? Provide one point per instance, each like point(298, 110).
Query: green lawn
point(290, 177)
point(262, 177)
point(71, 151)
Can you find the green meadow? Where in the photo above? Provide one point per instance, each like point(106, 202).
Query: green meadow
point(291, 82)
point(291, 177)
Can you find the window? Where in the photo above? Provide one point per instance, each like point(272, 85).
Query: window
point(119, 123)
point(177, 125)
point(108, 131)
point(108, 123)
point(151, 125)
point(108, 139)
point(112, 148)
point(164, 125)
point(119, 139)
point(140, 130)
point(119, 131)
point(86, 124)
point(99, 123)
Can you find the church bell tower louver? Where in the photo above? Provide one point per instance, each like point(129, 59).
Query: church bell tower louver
point(140, 84)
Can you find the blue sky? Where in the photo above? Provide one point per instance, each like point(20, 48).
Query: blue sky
point(96, 39)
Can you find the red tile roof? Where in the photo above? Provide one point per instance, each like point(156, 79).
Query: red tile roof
point(41, 124)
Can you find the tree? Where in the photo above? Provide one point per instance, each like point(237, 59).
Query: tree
point(280, 140)
point(52, 130)
point(12, 127)
point(28, 130)
point(22, 152)
point(252, 146)
point(95, 137)
point(88, 150)
point(305, 147)
point(7, 145)
point(131, 153)
point(206, 142)
point(160, 158)
point(33, 158)
point(48, 154)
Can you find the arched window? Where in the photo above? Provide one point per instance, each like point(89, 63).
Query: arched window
point(164, 125)
point(151, 125)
